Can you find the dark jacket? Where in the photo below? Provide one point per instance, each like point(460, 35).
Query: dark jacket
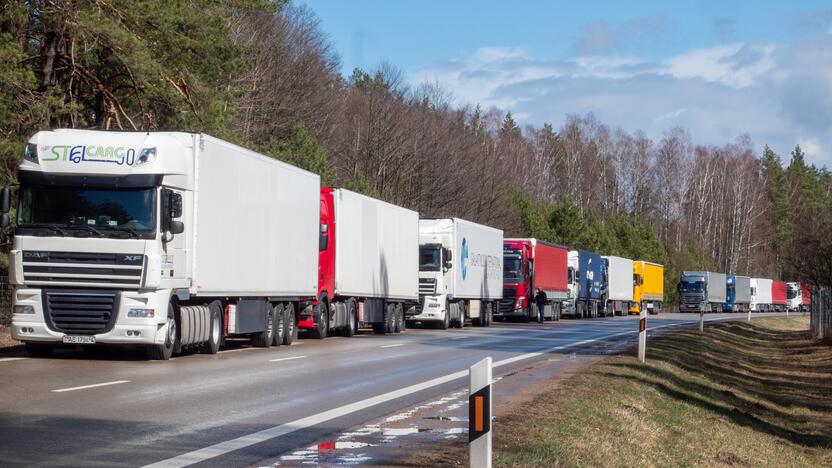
point(540, 298)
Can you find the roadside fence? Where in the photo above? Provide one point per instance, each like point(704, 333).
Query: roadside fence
point(821, 316)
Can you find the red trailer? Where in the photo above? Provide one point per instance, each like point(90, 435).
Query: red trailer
point(778, 295)
point(806, 297)
point(529, 265)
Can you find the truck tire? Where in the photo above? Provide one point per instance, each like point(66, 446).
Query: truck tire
point(446, 322)
point(279, 325)
point(528, 316)
point(163, 352)
point(390, 319)
point(321, 322)
point(352, 318)
point(265, 338)
point(399, 317)
point(38, 349)
point(215, 332)
point(291, 327)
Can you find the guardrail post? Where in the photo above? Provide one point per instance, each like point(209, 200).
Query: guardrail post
point(642, 336)
point(479, 415)
point(701, 321)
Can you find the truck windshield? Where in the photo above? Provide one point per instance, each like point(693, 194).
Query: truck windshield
point(101, 211)
point(691, 286)
point(430, 258)
point(512, 269)
point(791, 293)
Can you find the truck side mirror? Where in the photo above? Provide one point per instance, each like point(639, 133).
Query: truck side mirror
point(175, 205)
point(323, 239)
point(449, 258)
point(4, 220)
point(5, 200)
point(177, 227)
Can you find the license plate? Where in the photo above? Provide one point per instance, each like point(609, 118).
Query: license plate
point(79, 339)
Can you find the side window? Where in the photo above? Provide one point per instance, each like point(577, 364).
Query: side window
point(323, 238)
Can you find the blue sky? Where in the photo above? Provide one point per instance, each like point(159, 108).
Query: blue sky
point(720, 69)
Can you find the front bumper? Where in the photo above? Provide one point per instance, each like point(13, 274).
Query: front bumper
point(142, 331)
point(516, 313)
point(431, 309)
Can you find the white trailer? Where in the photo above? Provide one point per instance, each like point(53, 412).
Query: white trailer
point(761, 295)
point(159, 239)
point(460, 272)
point(370, 273)
point(619, 284)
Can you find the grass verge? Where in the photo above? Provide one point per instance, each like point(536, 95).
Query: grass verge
point(741, 394)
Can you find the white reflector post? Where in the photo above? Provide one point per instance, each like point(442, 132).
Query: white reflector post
point(479, 415)
point(642, 335)
point(701, 320)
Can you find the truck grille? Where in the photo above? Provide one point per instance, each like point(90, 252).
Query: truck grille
point(80, 312)
point(82, 269)
point(427, 286)
point(507, 302)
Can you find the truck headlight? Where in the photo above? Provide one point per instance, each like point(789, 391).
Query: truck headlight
point(30, 153)
point(24, 309)
point(521, 302)
point(141, 313)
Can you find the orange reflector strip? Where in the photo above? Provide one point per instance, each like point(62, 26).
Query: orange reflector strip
point(478, 408)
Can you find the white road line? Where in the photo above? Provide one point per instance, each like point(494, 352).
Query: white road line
point(392, 345)
point(460, 337)
point(242, 442)
point(84, 387)
point(7, 359)
point(286, 358)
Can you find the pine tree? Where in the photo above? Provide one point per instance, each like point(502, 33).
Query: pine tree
point(780, 214)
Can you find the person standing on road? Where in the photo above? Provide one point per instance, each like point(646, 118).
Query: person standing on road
point(540, 300)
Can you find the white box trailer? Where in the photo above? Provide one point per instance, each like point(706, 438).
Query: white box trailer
point(461, 272)
point(619, 284)
point(369, 272)
point(702, 291)
point(761, 295)
point(184, 237)
point(379, 248)
point(742, 292)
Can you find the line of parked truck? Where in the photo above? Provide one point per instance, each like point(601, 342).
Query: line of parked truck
point(172, 240)
point(706, 291)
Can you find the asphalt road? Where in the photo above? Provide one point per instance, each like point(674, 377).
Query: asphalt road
point(113, 408)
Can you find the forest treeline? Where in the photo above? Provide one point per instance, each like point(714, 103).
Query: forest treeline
point(264, 75)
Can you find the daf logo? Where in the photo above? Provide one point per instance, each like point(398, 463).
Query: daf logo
point(36, 254)
point(132, 258)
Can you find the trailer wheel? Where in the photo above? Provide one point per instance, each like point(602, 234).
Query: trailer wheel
point(390, 319)
point(352, 318)
point(264, 338)
point(321, 322)
point(291, 328)
point(399, 318)
point(279, 325)
point(163, 352)
point(212, 346)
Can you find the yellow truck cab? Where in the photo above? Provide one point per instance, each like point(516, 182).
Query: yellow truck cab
point(648, 287)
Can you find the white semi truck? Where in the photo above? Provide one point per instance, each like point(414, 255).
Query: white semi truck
point(162, 240)
point(460, 272)
point(761, 300)
point(619, 290)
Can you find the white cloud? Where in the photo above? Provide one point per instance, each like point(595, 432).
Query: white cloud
point(779, 95)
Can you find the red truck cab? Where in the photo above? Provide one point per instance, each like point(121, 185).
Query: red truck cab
point(308, 319)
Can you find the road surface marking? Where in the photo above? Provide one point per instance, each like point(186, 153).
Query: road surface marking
point(222, 448)
point(84, 387)
point(6, 359)
point(393, 345)
point(460, 337)
point(286, 358)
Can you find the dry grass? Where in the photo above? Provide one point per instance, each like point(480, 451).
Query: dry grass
point(742, 394)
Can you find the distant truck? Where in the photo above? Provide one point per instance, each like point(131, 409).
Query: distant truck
point(806, 297)
point(648, 287)
point(778, 295)
point(619, 285)
point(794, 297)
point(460, 273)
point(702, 291)
point(161, 240)
point(761, 295)
point(586, 284)
point(738, 293)
point(367, 266)
point(529, 265)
